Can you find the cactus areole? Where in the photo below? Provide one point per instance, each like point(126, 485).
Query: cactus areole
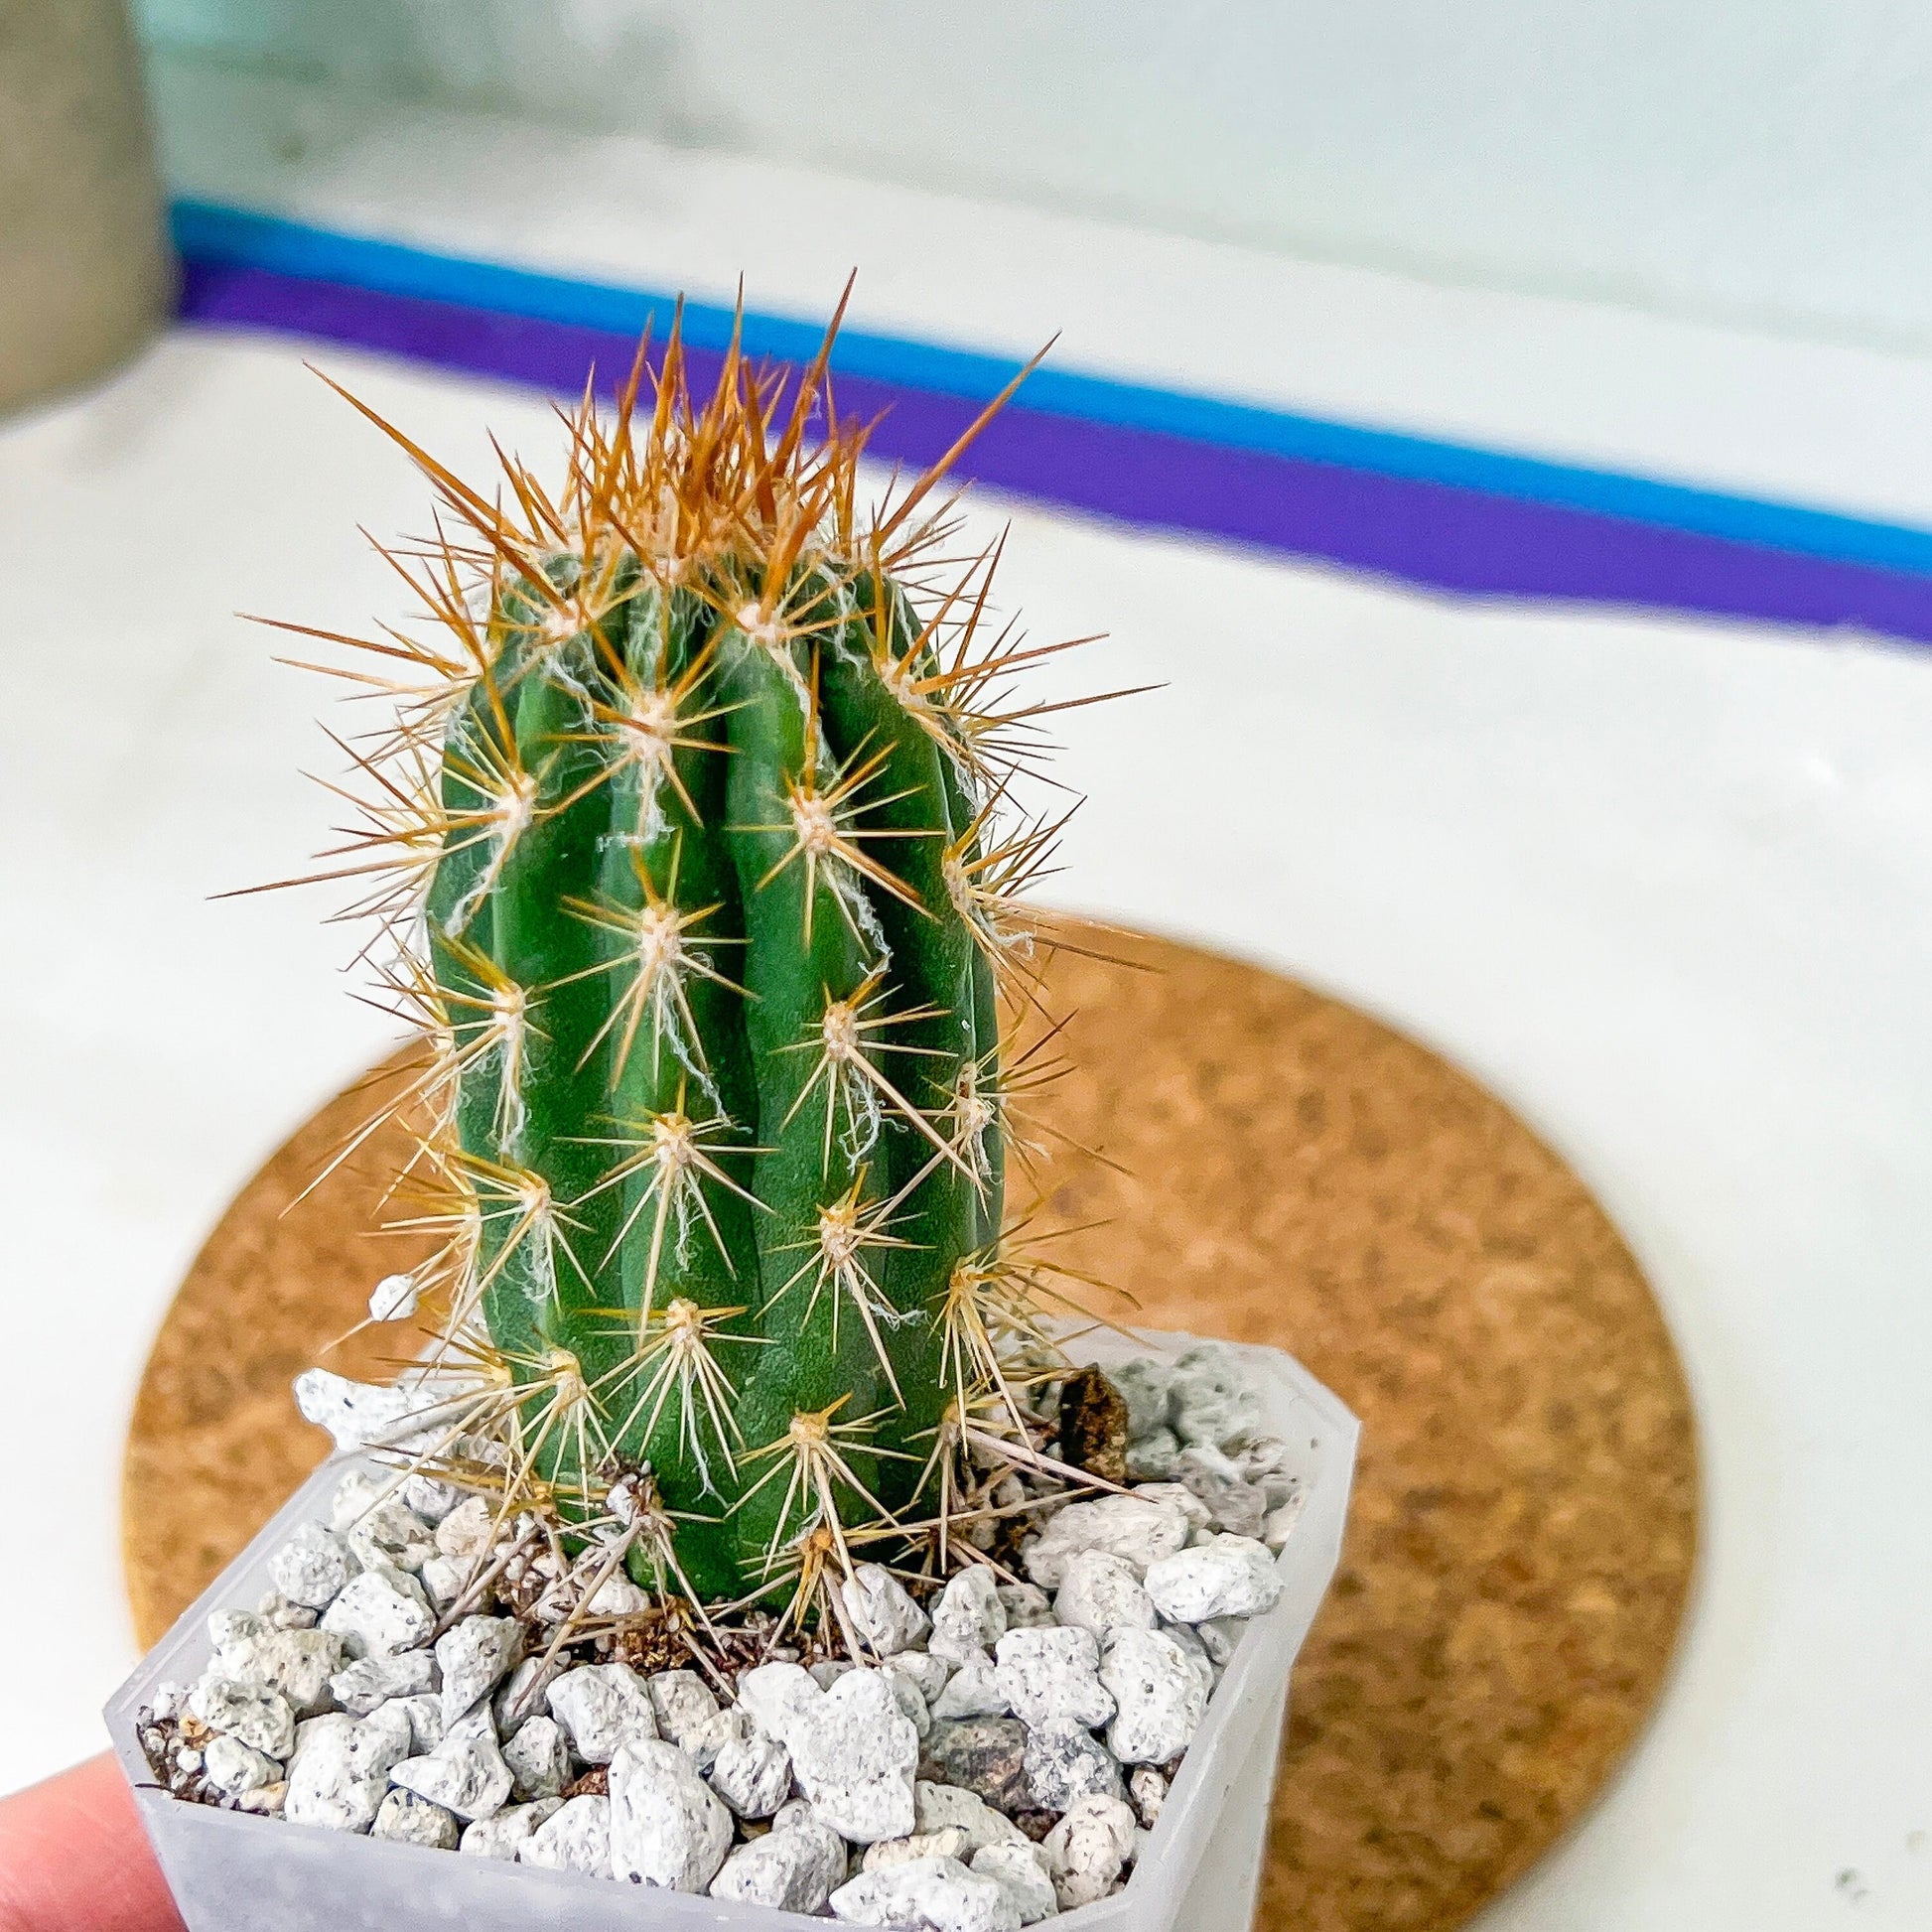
point(695, 848)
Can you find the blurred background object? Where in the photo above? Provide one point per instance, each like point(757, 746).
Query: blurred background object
point(1759, 161)
point(83, 261)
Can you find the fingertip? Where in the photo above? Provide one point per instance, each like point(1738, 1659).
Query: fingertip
point(73, 1857)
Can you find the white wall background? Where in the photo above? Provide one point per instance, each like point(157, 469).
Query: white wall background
point(1767, 161)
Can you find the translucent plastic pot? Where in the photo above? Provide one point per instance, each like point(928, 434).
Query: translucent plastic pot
point(233, 1872)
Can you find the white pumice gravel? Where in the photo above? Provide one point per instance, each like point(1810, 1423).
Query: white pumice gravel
point(359, 1687)
point(884, 1614)
point(668, 1829)
point(1200, 1519)
point(473, 1656)
point(792, 1869)
point(1053, 1672)
point(423, 1711)
point(910, 1702)
point(467, 1530)
point(779, 1696)
point(375, 1415)
point(968, 1618)
point(932, 1894)
point(948, 1841)
point(1145, 1386)
point(602, 1707)
point(1021, 1869)
point(1279, 1524)
point(284, 1614)
point(445, 1579)
point(329, 1705)
point(936, 1807)
point(405, 1816)
point(259, 1716)
point(1088, 1848)
point(464, 1773)
point(538, 1754)
point(430, 1499)
point(1099, 1592)
point(1131, 1527)
point(1233, 1503)
point(683, 1705)
point(234, 1767)
point(1159, 1695)
point(1065, 1761)
point(229, 1628)
point(502, 1835)
point(795, 1811)
point(340, 1773)
point(1147, 1792)
point(575, 1837)
point(391, 1533)
point(1197, 1654)
point(381, 1612)
point(1026, 1607)
point(299, 1664)
point(520, 1696)
point(355, 1496)
point(927, 1673)
point(726, 1724)
point(1151, 1458)
point(856, 1756)
point(312, 1567)
point(973, 1691)
point(1217, 1636)
point(1230, 1575)
point(1211, 1397)
point(617, 1595)
point(393, 1298)
point(753, 1775)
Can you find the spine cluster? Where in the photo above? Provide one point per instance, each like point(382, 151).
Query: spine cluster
point(694, 840)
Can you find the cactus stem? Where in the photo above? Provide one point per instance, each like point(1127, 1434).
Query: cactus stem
point(548, 1396)
point(648, 724)
point(678, 1352)
point(812, 1456)
point(976, 1313)
point(985, 884)
point(824, 834)
point(674, 1150)
point(848, 1038)
point(664, 948)
point(701, 627)
point(501, 1028)
point(847, 1228)
point(510, 810)
point(535, 1221)
point(823, 1557)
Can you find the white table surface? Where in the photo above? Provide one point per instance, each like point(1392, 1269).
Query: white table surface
point(1666, 887)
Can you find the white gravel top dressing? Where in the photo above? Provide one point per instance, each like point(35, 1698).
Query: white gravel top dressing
point(993, 1756)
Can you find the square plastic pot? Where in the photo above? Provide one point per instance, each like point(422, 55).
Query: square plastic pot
point(1199, 1870)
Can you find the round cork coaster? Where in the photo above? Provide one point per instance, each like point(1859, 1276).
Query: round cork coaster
point(1288, 1172)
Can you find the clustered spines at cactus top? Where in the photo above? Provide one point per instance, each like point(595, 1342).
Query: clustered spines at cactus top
point(706, 909)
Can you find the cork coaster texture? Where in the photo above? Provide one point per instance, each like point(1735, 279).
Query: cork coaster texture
point(1288, 1172)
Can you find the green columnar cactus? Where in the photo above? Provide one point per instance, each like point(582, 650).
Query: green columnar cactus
point(707, 924)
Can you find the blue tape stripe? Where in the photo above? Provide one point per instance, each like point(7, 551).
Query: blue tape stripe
point(210, 232)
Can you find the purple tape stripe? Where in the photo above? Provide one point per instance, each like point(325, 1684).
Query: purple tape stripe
point(1439, 535)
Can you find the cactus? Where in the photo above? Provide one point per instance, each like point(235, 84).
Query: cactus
point(692, 859)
